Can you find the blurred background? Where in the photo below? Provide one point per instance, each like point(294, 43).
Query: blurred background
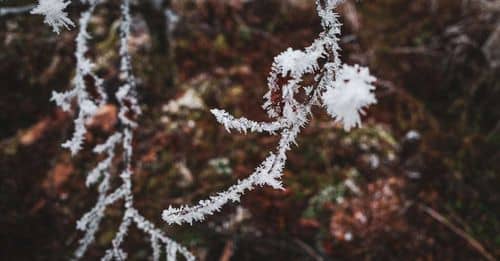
point(419, 181)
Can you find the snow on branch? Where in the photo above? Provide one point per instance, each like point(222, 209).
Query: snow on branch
point(12, 10)
point(119, 143)
point(244, 124)
point(344, 91)
point(84, 67)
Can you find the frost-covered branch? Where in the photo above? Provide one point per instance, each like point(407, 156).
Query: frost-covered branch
point(118, 143)
point(244, 124)
point(12, 10)
point(86, 105)
point(126, 96)
point(344, 91)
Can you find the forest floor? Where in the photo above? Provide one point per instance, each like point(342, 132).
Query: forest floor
point(419, 181)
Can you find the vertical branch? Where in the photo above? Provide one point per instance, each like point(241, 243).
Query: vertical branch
point(84, 66)
point(129, 110)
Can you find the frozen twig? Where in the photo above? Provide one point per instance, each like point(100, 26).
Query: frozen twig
point(344, 90)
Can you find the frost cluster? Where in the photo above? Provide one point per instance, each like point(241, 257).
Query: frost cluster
point(53, 11)
point(351, 91)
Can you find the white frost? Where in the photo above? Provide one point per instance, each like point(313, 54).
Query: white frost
point(349, 94)
point(54, 13)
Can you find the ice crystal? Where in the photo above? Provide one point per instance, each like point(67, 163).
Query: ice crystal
point(54, 14)
point(346, 97)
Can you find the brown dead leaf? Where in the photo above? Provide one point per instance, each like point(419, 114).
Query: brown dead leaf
point(309, 223)
point(350, 13)
point(227, 253)
point(241, 70)
point(58, 176)
point(35, 132)
point(37, 206)
point(105, 118)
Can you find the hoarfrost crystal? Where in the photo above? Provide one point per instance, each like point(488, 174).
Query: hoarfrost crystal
point(351, 91)
point(54, 13)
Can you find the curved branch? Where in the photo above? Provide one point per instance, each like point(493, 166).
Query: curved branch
point(244, 125)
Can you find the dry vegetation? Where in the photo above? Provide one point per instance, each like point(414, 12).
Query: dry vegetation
point(381, 192)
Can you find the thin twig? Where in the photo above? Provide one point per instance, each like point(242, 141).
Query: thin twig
point(8, 10)
point(472, 241)
point(309, 250)
point(407, 50)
